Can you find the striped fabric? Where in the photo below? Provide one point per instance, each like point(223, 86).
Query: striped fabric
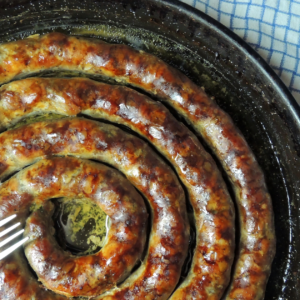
point(271, 27)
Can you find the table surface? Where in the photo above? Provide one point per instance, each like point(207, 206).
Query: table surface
point(271, 27)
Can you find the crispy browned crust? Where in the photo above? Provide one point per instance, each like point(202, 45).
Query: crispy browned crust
point(60, 271)
point(213, 211)
point(257, 243)
point(85, 138)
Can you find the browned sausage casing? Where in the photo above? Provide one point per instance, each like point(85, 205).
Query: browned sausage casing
point(160, 272)
point(257, 242)
point(213, 211)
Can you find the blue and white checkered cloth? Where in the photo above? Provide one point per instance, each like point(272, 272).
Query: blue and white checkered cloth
point(271, 27)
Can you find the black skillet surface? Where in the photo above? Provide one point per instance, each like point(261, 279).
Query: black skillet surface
point(213, 57)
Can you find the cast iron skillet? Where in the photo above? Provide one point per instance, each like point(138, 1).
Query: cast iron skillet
point(213, 57)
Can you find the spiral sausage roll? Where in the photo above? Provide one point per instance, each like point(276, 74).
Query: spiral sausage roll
point(213, 213)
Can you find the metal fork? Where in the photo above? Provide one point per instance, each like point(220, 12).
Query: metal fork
point(10, 238)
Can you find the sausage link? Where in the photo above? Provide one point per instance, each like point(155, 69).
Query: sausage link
point(257, 240)
point(160, 272)
point(213, 211)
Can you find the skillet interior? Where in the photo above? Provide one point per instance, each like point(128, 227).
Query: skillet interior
point(213, 57)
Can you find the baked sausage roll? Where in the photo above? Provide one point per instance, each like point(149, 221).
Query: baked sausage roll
point(256, 249)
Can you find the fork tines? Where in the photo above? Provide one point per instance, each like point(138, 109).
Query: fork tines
point(10, 238)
